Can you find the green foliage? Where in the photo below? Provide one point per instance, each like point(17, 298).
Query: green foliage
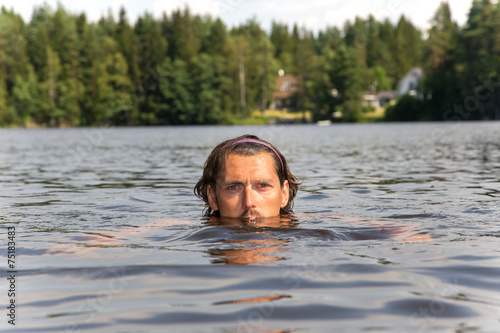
point(176, 104)
point(59, 69)
point(26, 97)
point(380, 79)
point(183, 35)
point(346, 77)
point(5, 117)
point(209, 84)
point(407, 46)
point(320, 86)
point(283, 46)
point(462, 65)
point(442, 78)
point(128, 43)
point(152, 46)
point(407, 108)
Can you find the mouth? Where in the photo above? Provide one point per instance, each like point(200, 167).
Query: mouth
point(251, 215)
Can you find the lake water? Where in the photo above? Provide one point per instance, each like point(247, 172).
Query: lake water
point(396, 229)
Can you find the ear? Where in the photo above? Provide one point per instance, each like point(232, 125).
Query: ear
point(212, 198)
point(285, 194)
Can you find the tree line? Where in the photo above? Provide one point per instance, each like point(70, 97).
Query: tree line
point(59, 69)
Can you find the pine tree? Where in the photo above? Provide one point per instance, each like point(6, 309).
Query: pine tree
point(184, 40)
point(330, 39)
point(26, 97)
point(127, 41)
point(152, 44)
point(5, 116)
point(38, 39)
point(52, 115)
point(283, 47)
point(206, 90)
point(477, 60)
point(176, 106)
point(321, 86)
point(114, 87)
point(407, 48)
point(441, 76)
point(346, 77)
point(217, 39)
point(64, 39)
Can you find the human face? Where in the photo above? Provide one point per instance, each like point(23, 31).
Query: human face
point(249, 187)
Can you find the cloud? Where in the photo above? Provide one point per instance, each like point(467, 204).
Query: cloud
point(315, 15)
point(94, 9)
point(21, 7)
point(318, 14)
point(198, 7)
point(420, 13)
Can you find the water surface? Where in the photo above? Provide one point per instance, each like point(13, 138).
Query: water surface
point(396, 229)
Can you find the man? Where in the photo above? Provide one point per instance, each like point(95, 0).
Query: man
point(246, 177)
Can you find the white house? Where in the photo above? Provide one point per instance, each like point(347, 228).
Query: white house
point(409, 84)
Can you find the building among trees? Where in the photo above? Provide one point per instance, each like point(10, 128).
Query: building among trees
point(409, 84)
point(284, 96)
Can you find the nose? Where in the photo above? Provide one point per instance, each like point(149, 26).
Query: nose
point(249, 199)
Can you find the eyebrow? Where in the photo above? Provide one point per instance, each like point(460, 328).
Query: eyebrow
point(237, 182)
point(231, 182)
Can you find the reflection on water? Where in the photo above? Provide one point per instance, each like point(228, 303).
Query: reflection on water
point(250, 241)
point(395, 229)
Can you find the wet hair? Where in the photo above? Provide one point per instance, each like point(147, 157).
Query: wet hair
point(216, 162)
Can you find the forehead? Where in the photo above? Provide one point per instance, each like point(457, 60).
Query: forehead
point(261, 165)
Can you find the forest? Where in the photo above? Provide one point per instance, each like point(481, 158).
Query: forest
point(61, 70)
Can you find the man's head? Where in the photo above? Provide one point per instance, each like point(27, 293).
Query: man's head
point(246, 177)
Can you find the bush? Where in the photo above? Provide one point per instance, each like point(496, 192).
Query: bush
point(407, 108)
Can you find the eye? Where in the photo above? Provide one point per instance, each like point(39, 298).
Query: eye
point(232, 187)
point(264, 185)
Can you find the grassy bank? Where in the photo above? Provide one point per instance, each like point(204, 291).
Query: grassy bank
point(372, 116)
point(268, 117)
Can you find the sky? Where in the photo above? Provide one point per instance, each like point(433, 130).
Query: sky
point(314, 15)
